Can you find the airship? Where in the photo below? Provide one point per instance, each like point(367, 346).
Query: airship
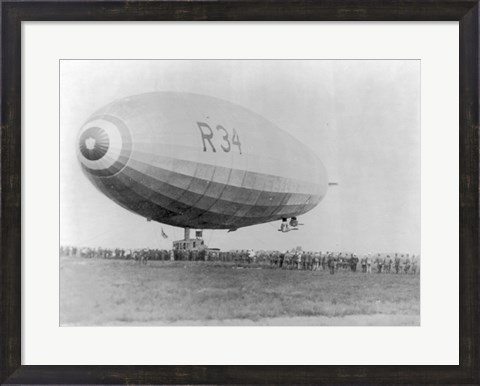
point(196, 161)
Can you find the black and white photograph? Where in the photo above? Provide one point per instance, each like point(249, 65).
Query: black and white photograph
point(240, 192)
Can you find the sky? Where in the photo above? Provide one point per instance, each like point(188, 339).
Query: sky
point(361, 117)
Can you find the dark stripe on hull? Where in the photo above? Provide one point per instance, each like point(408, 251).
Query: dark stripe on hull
point(192, 190)
point(151, 198)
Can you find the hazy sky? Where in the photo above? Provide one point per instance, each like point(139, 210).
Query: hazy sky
point(362, 118)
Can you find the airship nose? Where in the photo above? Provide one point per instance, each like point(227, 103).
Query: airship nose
point(104, 145)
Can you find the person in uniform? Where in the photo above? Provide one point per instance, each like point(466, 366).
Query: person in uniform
point(414, 265)
point(316, 262)
point(369, 263)
point(278, 260)
point(397, 263)
point(388, 264)
point(407, 264)
point(309, 261)
point(331, 263)
point(354, 262)
point(299, 260)
point(286, 260)
point(251, 256)
point(338, 261)
point(379, 263)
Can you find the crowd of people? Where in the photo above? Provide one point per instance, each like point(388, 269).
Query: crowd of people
point(297, 259)
point(116, 253)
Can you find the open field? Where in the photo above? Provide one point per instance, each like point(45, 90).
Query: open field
point(119, 292)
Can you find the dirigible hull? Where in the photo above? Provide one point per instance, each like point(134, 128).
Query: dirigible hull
point(195, 161)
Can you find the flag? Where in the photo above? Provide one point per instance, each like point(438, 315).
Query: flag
point(164, 235)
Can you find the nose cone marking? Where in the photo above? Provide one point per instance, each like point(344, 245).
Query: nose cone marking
point(90, 142)
point(94, 143)
point(104, 146)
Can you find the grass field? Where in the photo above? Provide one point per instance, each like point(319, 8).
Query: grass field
point(113, 292)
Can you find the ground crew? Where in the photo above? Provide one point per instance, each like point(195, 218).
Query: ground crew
point(331, 263)
point(316, 261)
point(414, 264)
point(397, 263)
point(388, 264)
point(407, 264)
point(363, 262)
point(379, 262)
point(299, 260)
point(287, 260)
point(353, 262)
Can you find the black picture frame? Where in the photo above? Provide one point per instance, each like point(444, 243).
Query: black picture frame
point(14, 12)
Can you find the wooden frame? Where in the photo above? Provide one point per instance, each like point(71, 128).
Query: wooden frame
point(14, 12)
